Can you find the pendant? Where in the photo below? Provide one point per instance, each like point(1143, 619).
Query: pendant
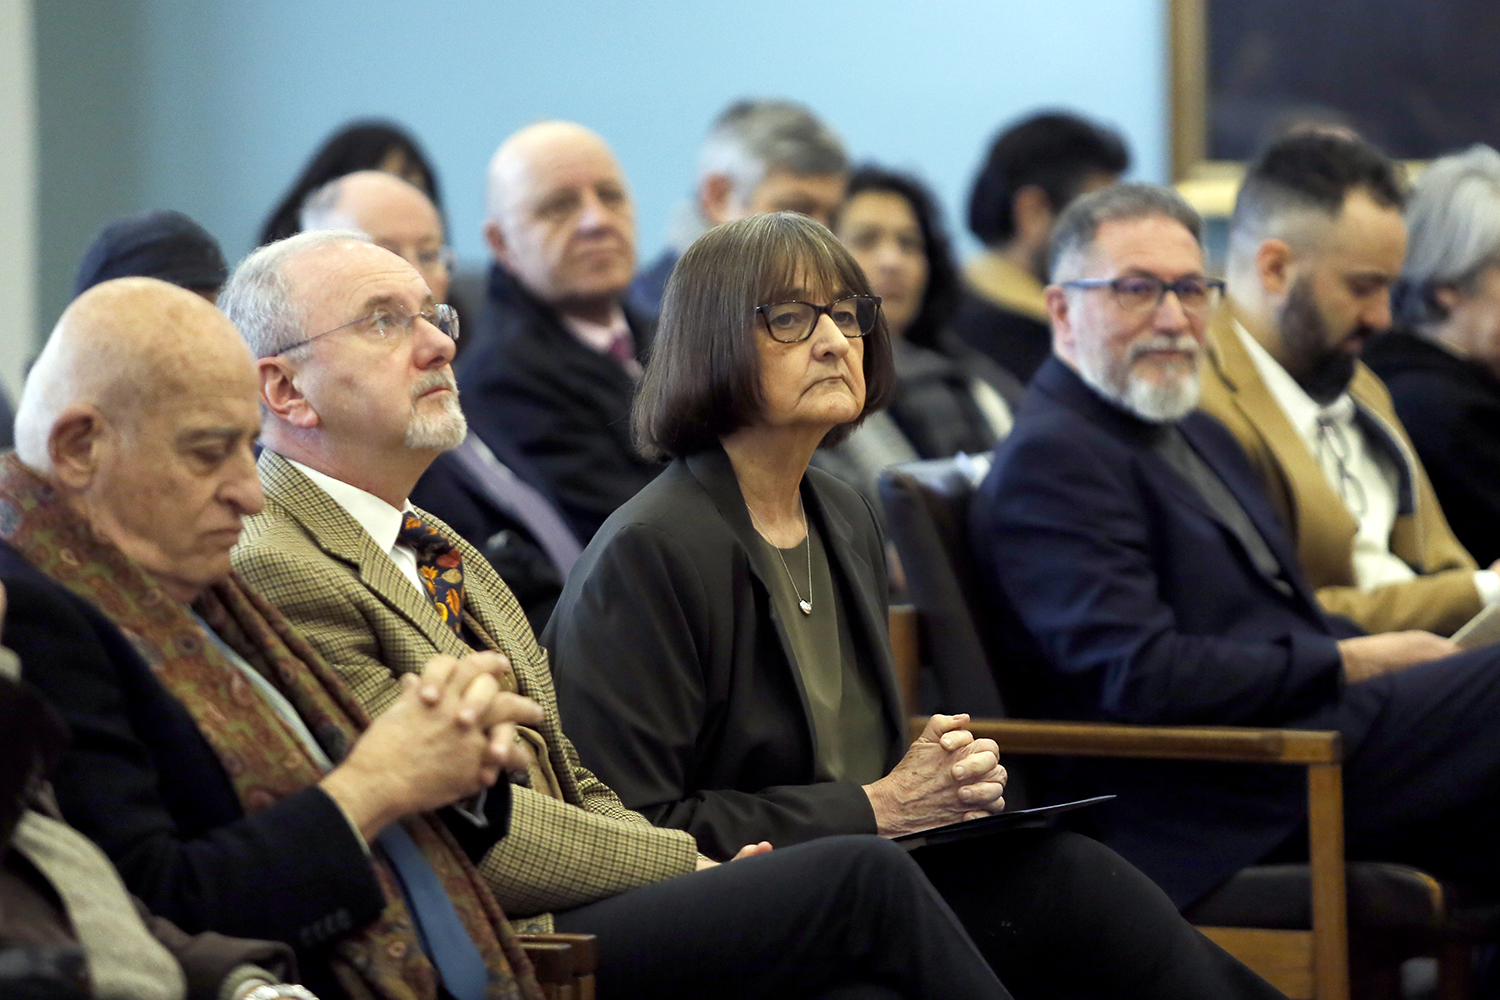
point(805, 606)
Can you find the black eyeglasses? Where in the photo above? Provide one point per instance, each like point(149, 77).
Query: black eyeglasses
point(790, 322)
point(1138, 293)
point(393, 322)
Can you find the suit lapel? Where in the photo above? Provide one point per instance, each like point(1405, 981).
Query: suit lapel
point(1322, 527)
point(334, 531)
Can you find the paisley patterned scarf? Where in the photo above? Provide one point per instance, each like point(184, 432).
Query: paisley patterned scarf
point(264, 760)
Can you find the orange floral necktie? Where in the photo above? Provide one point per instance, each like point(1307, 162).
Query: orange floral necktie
point(440, 566)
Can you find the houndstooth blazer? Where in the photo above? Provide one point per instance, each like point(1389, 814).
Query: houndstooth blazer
point(311, 559)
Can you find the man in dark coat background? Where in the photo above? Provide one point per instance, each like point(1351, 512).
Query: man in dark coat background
point(556, 358)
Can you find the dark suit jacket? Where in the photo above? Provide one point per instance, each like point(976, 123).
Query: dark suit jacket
point(142, 783)
point(1451, 409)
point(1139, 604)
point(529, 380)
point(677, 678)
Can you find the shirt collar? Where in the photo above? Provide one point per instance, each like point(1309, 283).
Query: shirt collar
point(1302, 410)
point(599, 336)
point(379, 519)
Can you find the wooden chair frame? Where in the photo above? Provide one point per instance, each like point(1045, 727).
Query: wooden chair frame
point(564, 963)
point(1319, 968)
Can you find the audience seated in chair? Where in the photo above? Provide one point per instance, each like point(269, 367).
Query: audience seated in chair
point(1443, 366)
point(760, 156)
point(1315, 245)
point(557, 355)
point(724, 693)
point(1034, 168)
point(68, 928)
point(359, 399)
point(479, 494)
point(949, 398)
point(1156, 585)
point(218, 761)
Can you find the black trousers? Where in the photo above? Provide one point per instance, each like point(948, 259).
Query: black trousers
point(1422, 767)
point(845, 917)
point(1058, 915)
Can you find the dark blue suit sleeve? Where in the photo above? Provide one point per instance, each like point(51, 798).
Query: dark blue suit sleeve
point(141, 782)
point(1140, 609)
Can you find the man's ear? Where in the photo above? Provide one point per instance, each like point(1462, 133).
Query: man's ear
point(715, 194)
point(74, 445)
point(1276, 267)
point(1031, 212)
point(280, 394)
point(494, 237)
point(1062, 326)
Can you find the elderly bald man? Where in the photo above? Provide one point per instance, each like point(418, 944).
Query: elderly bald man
point(358, 399)
point(557, 355)
point(487, 492)
point(218, 761)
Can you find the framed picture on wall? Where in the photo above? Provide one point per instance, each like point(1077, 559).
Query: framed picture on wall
point(1417, 77)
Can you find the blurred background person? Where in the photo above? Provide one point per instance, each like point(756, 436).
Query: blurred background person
point(1034, 169)
point(161, 244)
point(1442, 361)
point(759, 156)
point(365, 144)
point(559, 353)
point(949, 397)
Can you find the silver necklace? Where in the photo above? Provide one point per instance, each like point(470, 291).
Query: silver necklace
point(804, 603)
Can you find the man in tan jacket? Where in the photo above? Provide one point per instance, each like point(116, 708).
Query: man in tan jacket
point(1315, 243)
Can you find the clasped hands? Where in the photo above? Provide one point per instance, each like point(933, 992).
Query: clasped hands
point(447, 737)
point(946, 776)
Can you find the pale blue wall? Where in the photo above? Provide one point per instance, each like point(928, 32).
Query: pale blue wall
point(211, 106)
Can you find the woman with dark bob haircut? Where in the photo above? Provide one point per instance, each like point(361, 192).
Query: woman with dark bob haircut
point(720, 650)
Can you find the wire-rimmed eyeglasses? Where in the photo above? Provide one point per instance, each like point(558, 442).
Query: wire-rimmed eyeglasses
point(793, 321)
point(391, 322)
point(1138, 293)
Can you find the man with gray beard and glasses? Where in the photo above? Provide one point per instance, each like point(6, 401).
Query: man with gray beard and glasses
point(1140, 575)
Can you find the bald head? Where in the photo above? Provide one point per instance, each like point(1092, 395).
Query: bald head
point(141, 412)
point(560, 217)
point(392, 212)
point(121, 348)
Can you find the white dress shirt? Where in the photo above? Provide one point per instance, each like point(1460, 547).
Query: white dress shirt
point(383, 523)
point(379, 519)
point(1363, 474)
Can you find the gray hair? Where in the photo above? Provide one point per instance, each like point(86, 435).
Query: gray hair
point(258, 298)
point(1074, 233)
point(318, 209)
point(751, 138)
point(1453, 220)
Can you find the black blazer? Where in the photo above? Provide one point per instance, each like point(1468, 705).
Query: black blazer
point(141, 782)
point(677, 679)
point(1450, 408)
point(1137, 603)
point(528, 380)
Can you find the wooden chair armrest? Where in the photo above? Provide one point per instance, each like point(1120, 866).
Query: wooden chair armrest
point(561, 958)
point(1234, 744)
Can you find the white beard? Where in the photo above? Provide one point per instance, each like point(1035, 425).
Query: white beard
point(437, 428)
point(1161, 402)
